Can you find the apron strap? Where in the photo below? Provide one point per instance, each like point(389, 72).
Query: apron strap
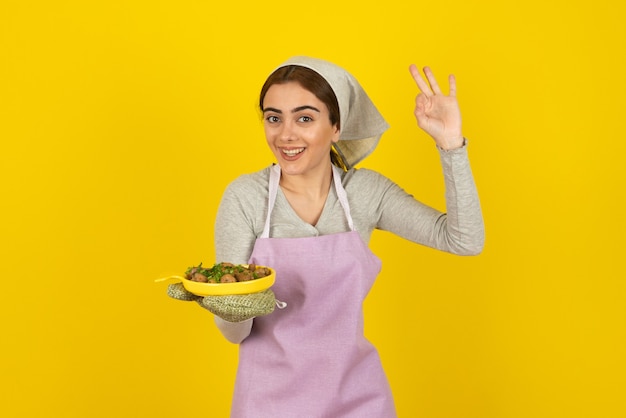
point(342, 196)
point(271, 199)
point(273, 191)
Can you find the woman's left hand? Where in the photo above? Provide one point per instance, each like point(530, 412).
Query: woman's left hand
point(437, 114)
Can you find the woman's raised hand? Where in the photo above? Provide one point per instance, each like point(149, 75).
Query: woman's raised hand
point(437, 114)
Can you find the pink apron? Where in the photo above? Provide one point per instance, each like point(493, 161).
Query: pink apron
point(311, 358)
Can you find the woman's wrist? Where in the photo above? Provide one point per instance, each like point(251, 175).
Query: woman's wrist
point(453, 145)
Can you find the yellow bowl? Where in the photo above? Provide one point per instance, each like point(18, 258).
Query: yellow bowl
point(220, 289)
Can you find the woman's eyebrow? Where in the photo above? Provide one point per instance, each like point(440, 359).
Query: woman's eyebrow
point(294, 110)
point(305, 107)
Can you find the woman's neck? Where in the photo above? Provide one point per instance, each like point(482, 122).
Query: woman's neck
point(310, 185)
point(307, 194)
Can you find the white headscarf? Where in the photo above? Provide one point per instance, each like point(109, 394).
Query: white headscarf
point(360, 122)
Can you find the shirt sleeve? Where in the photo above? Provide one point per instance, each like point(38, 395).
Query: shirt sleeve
point(236, 230)
point(237, 223)
point(235, 332)
point(459, 230)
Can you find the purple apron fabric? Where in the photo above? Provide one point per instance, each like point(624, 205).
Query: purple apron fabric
point(311, 358)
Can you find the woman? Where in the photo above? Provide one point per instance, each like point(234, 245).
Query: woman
point(310, 217)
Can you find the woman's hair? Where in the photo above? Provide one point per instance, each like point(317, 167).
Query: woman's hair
point(316, 84)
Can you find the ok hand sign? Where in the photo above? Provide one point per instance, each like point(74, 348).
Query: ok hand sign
point(437, 114)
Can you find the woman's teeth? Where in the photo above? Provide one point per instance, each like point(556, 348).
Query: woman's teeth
point(292, 152)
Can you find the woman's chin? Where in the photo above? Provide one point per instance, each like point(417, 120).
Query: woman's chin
point(291, 169)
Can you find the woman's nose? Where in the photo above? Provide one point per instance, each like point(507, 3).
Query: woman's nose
point(287, 132)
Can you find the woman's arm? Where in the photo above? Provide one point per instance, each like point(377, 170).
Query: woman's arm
point(234, 240)
point(236, 221)
point(460, 230)
point(235, 332)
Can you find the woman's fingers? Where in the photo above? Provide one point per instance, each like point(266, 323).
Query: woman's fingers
point(432, 87)
point(452, 82)
point(421, 84)
point(421, 101)
point(432, 80)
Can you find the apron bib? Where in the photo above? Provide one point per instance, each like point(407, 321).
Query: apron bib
point(311, 358)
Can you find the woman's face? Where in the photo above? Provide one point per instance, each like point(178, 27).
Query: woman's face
point(298, 129)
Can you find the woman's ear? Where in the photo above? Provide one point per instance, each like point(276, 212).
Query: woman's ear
point(336, 134)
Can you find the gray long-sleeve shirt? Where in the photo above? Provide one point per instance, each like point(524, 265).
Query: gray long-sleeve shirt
point(375, 203)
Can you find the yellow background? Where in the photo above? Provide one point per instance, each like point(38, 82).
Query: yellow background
point(122, 121)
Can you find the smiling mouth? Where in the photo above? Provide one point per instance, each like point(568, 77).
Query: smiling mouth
point(292, 152)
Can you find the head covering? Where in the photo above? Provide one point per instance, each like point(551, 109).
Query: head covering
point(361, 123)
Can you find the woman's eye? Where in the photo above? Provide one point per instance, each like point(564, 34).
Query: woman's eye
point(305, 119)
point(272, 119)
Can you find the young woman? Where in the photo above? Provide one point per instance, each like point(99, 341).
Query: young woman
point(310, 217)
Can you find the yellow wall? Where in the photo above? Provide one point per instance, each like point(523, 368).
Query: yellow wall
point(122, 121)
